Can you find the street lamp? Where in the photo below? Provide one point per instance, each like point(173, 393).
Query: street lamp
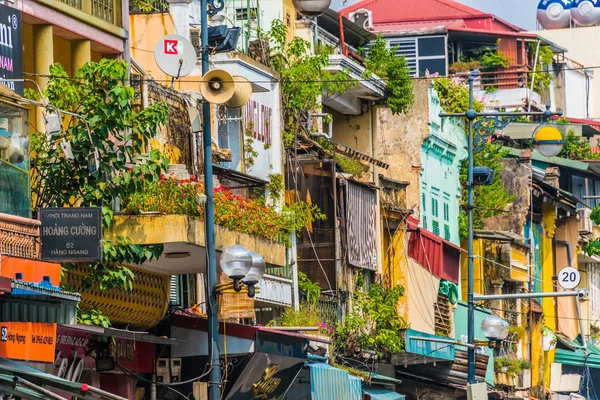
point(244, 267)
point(311, 8)
point(548, 140)
point(494, 328)
point(255, 274)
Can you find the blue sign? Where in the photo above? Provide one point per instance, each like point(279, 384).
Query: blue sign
point(11, 47)
point(440, 350)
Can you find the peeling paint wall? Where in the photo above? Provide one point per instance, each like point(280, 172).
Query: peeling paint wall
point(399, 140)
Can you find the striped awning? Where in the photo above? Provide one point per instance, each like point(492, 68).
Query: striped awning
point(378, 393)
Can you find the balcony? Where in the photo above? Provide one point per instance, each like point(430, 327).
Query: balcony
point(505, 87)
point(19, 236)
point(349, 103)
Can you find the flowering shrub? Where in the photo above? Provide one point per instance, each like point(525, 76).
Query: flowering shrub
point(253, 216)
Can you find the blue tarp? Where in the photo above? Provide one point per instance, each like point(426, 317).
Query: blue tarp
point(377, 393)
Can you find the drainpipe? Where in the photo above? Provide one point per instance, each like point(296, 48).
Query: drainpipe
point(342, 39)
point(577, 300)
point(535, 62)
point(125, 24)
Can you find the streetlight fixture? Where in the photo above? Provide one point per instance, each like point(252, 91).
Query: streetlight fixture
point(244, 267)
point(495, 329)
point(548, 140)
point(311, 8)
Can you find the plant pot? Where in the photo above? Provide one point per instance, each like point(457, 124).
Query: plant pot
point(503, 369)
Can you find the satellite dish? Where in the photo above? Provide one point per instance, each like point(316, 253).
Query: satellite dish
point(554, 14)
point(586, 12)
point(175, 56)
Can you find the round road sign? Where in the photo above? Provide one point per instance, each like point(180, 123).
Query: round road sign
point(175, 55)
point(569, 278)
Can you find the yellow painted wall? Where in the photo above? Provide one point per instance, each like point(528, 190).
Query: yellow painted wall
point(289, 14)
point(478, 273)
point(394, 266)
point(548, 303)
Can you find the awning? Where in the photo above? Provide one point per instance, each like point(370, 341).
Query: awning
point(571, 352)
point(11, 368)
point(376, 393)
point(139, 336)
point(327, 382)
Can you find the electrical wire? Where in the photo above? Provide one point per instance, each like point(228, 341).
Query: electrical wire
point(141, 378)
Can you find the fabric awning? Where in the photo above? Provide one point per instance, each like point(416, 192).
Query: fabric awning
point(12, 368)
point(571, 352)
point(381, 394)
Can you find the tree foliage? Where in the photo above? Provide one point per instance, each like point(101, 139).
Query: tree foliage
point(393, 69)
point(373, 324)
point(110, 126)
point(577, 148)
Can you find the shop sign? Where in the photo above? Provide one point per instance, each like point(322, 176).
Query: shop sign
point(11, 47)
point(260, 118)
point(71, 234)
point(267, 376)
point(28, 341)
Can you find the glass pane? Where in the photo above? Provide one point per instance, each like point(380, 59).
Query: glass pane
point(432, 47)
point(433, 66)
point(15, 194)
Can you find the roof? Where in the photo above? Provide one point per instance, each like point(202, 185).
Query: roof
point(586, 168)
point(42, 289)
point(390, 16)
point(382, 394)
point(354, 35)
point(595, 125)
point(410, 10)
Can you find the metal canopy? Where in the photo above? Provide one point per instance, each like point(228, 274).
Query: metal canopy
point(82, 390)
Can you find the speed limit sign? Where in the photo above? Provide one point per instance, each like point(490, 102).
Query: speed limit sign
point(569, 278)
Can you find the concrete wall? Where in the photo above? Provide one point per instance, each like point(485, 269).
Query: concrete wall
point(579, 41)
point(399, 142)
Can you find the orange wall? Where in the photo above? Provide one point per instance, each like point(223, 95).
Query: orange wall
point(32, 270)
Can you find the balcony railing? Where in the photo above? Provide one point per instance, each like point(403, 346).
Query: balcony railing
point(149, 7)
point(19, 236)
point(106, 10)
point(513, 77)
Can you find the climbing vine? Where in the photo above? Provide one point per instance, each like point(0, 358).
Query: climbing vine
point(543, 78)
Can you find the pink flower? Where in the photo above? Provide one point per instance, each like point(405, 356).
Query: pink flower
point(259, 325)
point(330, 329)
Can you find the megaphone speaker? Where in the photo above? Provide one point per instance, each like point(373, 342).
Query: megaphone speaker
point(219, 87)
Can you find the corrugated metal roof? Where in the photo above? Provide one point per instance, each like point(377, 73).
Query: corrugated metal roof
point(44, 288)
point(330, 383)
point(382, 394)
point(410, 10)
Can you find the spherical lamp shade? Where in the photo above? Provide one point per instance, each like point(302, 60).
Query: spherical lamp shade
point(256, 271)
point(236, 261)
point(494, 327)
point(311, 8)
point(548, 140)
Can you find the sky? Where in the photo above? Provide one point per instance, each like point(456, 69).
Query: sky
point(518, 12)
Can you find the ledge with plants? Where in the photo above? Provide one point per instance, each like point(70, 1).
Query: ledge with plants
point(253, 216)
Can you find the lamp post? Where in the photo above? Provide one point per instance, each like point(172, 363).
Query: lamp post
point(478, 133)
point(495, 329)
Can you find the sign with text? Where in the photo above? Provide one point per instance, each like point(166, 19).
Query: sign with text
point(71, 234)
point(11, 47)
point(28, 341)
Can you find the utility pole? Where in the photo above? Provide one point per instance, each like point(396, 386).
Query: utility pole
point(212, 310)
point(478, 133)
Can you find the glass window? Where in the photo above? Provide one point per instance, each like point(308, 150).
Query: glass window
point(437, 65)
point(435, 46)
point(230, 132)
point(15, 193)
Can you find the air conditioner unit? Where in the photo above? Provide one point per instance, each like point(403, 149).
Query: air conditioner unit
point(362, 18)
point(585, 222)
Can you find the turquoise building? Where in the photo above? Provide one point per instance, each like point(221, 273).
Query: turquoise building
point(442, 153)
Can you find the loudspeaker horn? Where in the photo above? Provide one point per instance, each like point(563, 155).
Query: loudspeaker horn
point(219, 87)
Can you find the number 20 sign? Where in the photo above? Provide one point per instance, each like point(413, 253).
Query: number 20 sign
point(569, 278)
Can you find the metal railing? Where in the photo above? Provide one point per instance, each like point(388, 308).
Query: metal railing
point(513, 77)
point(107, 10)
point(282, 272)
point(149, 7)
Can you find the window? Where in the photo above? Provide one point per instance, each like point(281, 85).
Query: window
point(594, 273)
point(435, 227)
point(424, 201)
point(422, 53)
point(424, 222)
point(446, 232)
point(241, 14)
point(446, 212)
point(230, 132)
point(443, 316)
point(434, 207)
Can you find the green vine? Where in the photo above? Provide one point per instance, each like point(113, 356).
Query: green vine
point(543, 78)
point(275, 187)
point(249, 153)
